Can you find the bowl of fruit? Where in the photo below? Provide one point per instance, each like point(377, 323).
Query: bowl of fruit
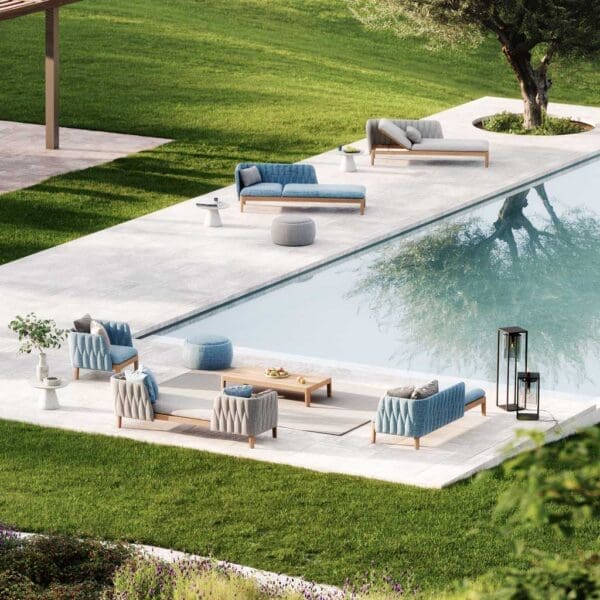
point(279, 373)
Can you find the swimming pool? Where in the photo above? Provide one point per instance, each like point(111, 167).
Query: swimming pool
point(433, 299)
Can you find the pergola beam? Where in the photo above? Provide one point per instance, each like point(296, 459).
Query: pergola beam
point(11, 9)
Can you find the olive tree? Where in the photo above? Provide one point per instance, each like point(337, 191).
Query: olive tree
point(531, 33)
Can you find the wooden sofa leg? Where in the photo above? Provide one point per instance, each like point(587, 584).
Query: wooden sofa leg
point(251, 441)
point(373, 433)
point(372, 157)
point(362, 207)
point(487, 160)
point(274, 432)
point(119, 422)
point(483, 407)
point(136, 363)
point(242, 205)
point(417, 443)
point(76, 373)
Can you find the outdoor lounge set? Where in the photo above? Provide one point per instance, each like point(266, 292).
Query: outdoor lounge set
point(241, 409)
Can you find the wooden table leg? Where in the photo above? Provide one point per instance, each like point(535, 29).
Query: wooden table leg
point(329, 389)
point(307, 398)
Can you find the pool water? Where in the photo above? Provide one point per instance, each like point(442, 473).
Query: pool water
point(433, 299)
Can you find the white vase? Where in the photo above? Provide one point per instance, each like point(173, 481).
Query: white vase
point(42, 367)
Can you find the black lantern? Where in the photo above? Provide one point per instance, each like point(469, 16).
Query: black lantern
point(511, 358)
point(528, 396)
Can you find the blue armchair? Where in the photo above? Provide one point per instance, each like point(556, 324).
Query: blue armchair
point(89, 351)
point(416, 418)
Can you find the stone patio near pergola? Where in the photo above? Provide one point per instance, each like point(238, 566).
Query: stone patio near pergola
point(12, 9)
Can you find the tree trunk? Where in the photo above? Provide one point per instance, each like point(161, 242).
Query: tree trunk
point(534, 85)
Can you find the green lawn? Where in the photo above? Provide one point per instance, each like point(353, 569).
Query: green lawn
point(229, 81)
point(275, 517)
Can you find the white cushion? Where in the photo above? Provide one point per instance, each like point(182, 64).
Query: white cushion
point(395, 133)
point(413, 134)
point(449, 145)
point(97, 328)
point(181, 405)
point(250, 176)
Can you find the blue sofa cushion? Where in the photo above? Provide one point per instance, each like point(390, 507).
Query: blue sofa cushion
point(473, 395)
point(323, 190)
point(262, 189)
point(118, 354)
point(241, 391)
point(151, 384)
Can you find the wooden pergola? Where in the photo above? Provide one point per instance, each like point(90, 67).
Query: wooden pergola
point(11, 9)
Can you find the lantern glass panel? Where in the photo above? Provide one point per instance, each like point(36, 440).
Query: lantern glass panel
point(528, 398)
point(512, 358)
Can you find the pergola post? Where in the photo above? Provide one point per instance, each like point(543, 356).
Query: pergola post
point(52, 64)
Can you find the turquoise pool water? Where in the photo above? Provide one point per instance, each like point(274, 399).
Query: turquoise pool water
point(432, 300)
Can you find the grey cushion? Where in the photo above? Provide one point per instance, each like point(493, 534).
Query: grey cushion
point(429, 389)
point(83, 324)
point(402, 392)
point(395, 133)
point(250, 176)
point(293, 230)
point(413, 134)
point(450, 145)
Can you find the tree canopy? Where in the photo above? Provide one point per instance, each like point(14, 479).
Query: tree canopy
point(531, 32)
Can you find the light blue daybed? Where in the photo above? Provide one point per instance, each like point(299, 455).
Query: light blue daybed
point(280, 182)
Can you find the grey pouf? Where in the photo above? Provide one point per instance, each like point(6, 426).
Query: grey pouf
point(293, 230)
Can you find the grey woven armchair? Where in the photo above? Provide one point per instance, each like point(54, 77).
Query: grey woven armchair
point(226, 414)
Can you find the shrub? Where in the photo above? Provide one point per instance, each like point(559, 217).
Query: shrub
point(506, 122)
point(56, 567)
point(540, 578)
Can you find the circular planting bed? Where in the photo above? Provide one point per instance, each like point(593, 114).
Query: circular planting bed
point(512, 123)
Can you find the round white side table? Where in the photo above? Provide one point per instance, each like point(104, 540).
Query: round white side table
point(213, 217)
point(347, 165)
point(48, 399)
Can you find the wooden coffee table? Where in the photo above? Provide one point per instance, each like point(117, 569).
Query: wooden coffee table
point(289, 384)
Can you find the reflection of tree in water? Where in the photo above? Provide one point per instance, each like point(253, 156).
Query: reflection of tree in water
point(454, 287)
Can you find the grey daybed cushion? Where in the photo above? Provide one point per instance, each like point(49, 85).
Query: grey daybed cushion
point(413, 134)
point(429, 389)
point(250, 176)
point(395, 133)
point(450, 145)
point(402, 391)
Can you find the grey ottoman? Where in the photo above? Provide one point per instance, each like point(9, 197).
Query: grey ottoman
point(293, 230)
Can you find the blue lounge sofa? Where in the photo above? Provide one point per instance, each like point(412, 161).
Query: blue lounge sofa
point(295, 183)
point(416, 418)
point(90, 351)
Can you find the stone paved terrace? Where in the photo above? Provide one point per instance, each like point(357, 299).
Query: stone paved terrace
point(24, 160)
point(156, 268)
